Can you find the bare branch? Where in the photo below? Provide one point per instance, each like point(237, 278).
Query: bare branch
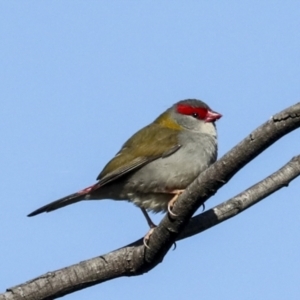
point(244, 200)
point(135, 259)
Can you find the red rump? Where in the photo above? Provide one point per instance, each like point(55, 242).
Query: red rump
point(86, 190)
point(190, 110)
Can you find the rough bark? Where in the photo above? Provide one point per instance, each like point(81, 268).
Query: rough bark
point(135, 259)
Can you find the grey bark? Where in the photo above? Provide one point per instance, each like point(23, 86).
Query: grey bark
point(135, 259)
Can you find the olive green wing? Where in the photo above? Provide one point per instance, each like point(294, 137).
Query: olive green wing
point(148, 144)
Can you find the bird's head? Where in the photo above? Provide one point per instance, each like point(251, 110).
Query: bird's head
point(190, 114)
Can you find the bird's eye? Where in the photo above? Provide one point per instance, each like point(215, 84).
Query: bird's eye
point(195, 115)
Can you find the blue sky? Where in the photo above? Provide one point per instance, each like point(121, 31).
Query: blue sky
point(78, 78)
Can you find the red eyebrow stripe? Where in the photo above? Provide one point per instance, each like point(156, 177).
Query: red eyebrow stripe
point(189, 110)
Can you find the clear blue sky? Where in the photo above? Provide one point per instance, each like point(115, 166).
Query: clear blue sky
point(77, 78)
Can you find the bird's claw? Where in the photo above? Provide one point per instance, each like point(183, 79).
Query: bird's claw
point(170, 205)
point(173, 200)
point(147, 236)
point(203, 207)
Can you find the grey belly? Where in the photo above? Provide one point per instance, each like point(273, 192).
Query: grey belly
point(150, 186)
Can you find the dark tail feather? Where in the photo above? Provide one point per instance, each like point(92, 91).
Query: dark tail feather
point(73, 198)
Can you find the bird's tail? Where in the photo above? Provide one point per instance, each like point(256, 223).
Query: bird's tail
point(70, 199)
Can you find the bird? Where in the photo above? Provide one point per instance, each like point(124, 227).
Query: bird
point(157, 163)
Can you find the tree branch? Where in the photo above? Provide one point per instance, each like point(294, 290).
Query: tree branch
point(244, 200)
point(135, 259)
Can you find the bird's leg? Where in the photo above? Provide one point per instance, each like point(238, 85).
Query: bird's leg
point(151, 225)
point(149, 221)
point(176, 193)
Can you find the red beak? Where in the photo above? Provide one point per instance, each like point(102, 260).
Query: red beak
point(212, 116)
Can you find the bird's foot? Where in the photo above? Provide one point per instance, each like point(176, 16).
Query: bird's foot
point(151, 225)
point(176, 193)
point(147, 236)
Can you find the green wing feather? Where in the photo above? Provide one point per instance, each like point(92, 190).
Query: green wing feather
point(148, 144)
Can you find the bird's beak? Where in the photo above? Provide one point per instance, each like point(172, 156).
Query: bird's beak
point(212, 116)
